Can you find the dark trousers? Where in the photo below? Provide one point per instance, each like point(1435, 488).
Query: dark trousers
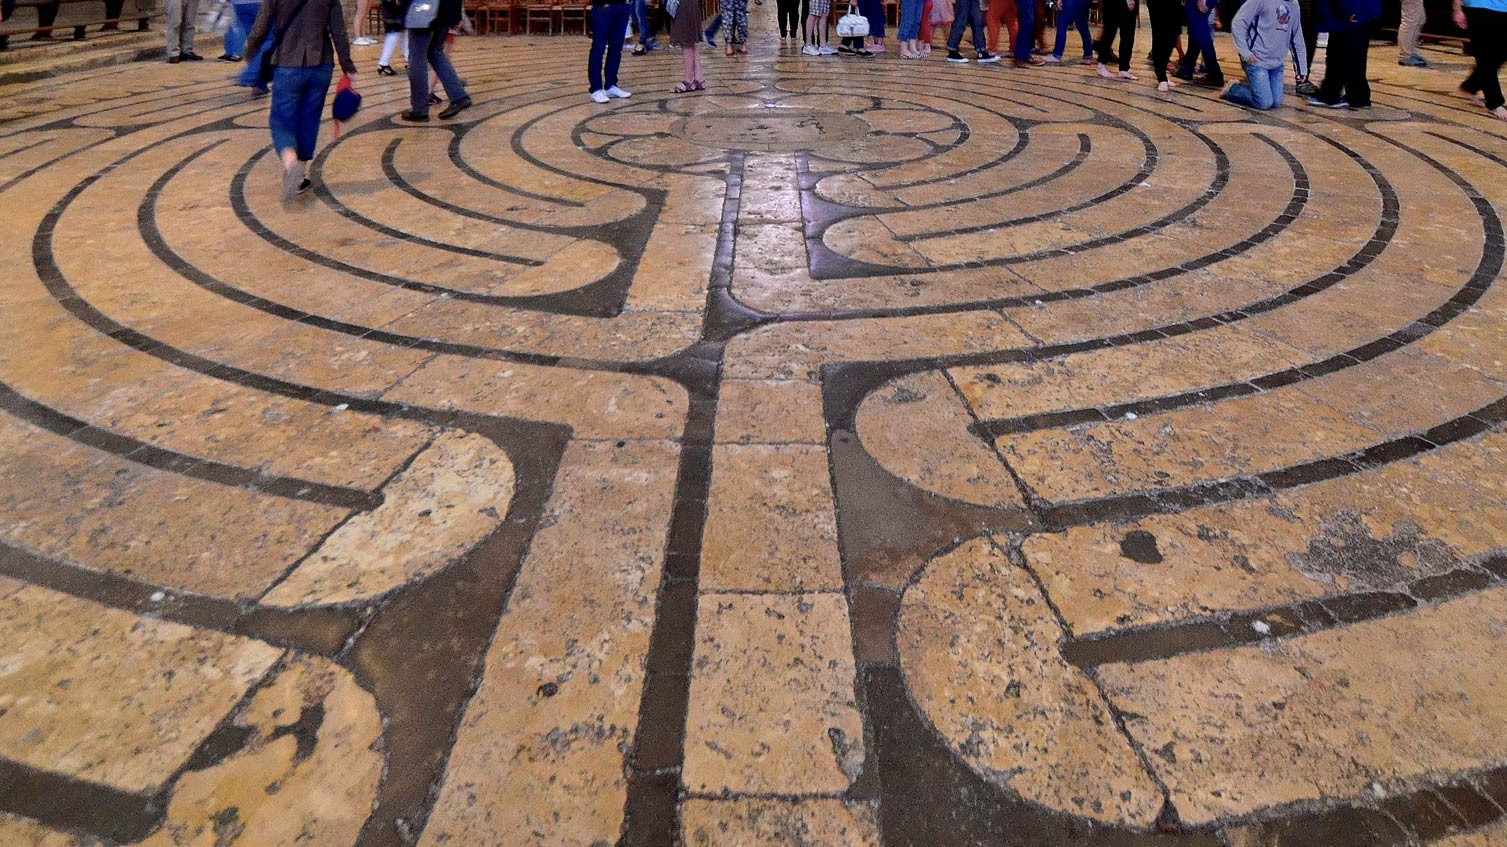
point(609, 27)
point(873, 11)
point(427, 47)
point(1118, 20)
point(1200, 42)
point(1166, 26)
point(1025, 33)
point(1488, 42)
point(297, 106)
point(1345, 68)
point(965, 14)
point(788, 12)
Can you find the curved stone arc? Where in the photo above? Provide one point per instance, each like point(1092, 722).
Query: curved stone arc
point(923, 411)
point(978, 647)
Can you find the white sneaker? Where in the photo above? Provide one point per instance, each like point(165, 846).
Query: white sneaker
point(364, 41)
point(828, 50)
point(599, 96)
point(614, 91)
point(810, 50)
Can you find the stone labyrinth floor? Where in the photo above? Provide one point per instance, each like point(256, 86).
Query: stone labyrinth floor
point(905, 455)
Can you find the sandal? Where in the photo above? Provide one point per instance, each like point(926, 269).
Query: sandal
point(700, 85)
point(685, 87)
point(386, 70)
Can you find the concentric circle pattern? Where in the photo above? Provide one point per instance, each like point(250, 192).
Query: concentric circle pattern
point(856, 453)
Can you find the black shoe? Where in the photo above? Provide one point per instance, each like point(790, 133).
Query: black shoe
point(304, 186)
point(434, 100)
point(414, 117)
point(956, 58)
point(846, 49)
point(455, 108)
point(229, 57)
point(192, 57)
point(1182, 74)
point(41, 36)
point(1307, 89)
point(173, 60)
point(386, 70)
point(1214, 81)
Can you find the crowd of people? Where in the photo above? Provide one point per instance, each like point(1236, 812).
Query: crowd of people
point(294, 44)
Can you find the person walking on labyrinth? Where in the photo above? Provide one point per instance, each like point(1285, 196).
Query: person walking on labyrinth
point(735, 18)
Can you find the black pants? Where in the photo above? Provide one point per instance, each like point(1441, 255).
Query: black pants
point(47, 14)
point(1488, 43)
point(1345, 68)
point(1166, 26)
point(788, 12)
point(1118, 20)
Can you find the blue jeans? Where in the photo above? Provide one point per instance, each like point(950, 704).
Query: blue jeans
point(297, 105)
point(966, 13)
point(1261, 90)
point(245, 16)
point(910, 19)
point(1200, 40)
point(1074, 15)
point(641, 23)
point(1025, 37)
point(609, 26)
point(235, 35)
point(427, 47)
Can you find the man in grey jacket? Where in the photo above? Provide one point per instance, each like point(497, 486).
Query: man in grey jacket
point(1264, 32)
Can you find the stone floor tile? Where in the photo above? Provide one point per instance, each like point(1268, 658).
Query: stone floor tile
point(755, 823)
point(772, 707)
point(771, 524)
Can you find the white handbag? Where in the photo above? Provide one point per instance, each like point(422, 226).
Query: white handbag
point(852, 25)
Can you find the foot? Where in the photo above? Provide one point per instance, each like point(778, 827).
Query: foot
point(710, 42)
point(1164, 86)
point(1051, 60)
point(434, 100)
point(386, 70)
point(639, 51)
point(1183, 74)
point(293, 177)
point(1027, 63)
point(41, 36)
point(1041, 51)
point(987, 58)
point(1413, 61)
point(1126, 75)
point(1225, 89)
point(729, 49)
point(192, 57)
point(876, 48)
point(827, 50)
point(618, 93)
point(1472, 95)
point(1305, 88)
point(1315, 101)
point(685, 87)
point(455, 108)
point(1500, 113)
point(1088, 60)
point(415, 117)
point(1106, 72)
point(845, 49)
point(956, 58)
point(600, 96)
point(364, 41)
point(173, 60)
point(863, 51)
point(810, 50)
point(225, 57)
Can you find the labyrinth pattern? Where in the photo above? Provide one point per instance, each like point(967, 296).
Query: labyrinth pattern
point(895, 454)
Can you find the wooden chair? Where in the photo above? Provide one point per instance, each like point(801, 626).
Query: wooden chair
point(574, 15)
point(535, 11)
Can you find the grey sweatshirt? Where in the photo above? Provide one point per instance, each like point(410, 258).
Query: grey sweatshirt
point(1265, 31)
